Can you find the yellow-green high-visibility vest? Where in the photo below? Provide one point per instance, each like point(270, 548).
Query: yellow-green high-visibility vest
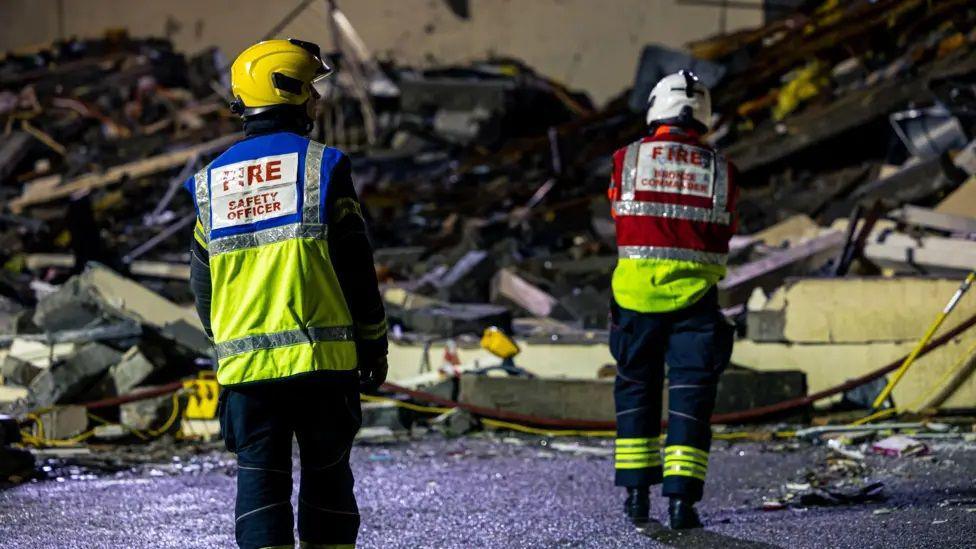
point(277, 309)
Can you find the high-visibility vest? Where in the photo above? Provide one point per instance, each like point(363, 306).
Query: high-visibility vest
point(672, 201)
point(277, 309)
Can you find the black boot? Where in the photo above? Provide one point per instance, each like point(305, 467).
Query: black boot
point(682, 514)
point(638, 505)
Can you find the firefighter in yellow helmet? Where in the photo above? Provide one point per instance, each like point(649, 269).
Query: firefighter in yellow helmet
point(282, 273)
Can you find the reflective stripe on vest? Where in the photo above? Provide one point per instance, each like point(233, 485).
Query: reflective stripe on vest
point(282, 339)
point(680, 254)
point(627, 205)
point(686, 184)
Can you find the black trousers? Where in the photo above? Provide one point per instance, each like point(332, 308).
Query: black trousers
point(258, 422)
point(696, 344)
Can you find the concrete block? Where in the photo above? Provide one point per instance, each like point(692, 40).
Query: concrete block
point(926, 254)
point(961, 201)
point(932, 219)
point(741, 389)
point(455, 319)
point(830, 364)
point(468, 280)
point(71, 306)
point(382, 414)
point(856, 310)
point(75, 375)
point(508, 285)
point(10, 394)
point(122, 297)
point(150, 413)
point(132, 369)
point(39, 354)
point(62, 422)
point(17, 371)
point(551, 398)
point(455, 423)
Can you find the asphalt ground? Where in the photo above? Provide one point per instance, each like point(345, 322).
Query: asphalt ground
point(501, 491)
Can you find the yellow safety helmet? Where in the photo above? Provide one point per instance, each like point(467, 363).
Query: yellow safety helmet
point(276, 72)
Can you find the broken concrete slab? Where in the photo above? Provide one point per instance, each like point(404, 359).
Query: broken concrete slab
point(924, 255)
point(72, 306)
point(149, 413)
point(18, 372)
point(467, 280)
point(743, 389)
point(382, 414)
point(550, 398)
point(9, 394)
point(74, 376)
point(508, 285)
point(770, 271)
point(932, 219)
point(131, 370)
point(39, 354)
point(454, 319)
point(830, 364)
point(961, 201)
point(455, 423)
point(127, 299)
point(855, 310)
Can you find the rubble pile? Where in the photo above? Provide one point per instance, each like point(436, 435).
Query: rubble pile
point(852, 124)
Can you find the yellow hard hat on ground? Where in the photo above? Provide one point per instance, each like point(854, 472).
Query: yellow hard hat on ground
point(275, 72)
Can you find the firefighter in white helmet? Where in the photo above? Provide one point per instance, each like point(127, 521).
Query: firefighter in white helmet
point(673, 202)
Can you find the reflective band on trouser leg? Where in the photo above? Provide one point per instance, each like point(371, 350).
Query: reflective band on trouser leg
point(680, 254)
point(307, 545)
point(637, 453)
point(685, 461)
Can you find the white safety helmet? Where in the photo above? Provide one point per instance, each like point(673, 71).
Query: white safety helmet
point(680, 98)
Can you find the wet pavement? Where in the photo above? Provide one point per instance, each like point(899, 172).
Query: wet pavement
point(493, 491)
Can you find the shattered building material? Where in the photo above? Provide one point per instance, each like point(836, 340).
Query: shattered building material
point(73, 377)
point(962, 201)
point(853, 310)
point(549, 398)
point(52, 188)
point(156, 413)
point(509, 285)
point(131, 371)
point(770, 271)
point(927, 254)
point(933, 219)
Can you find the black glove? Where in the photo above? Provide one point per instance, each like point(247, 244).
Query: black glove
point(372, 374)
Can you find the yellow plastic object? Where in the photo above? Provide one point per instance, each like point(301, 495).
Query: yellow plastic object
point(251, 74)
point(497, 343)
point(806, 84)
point(202, 394)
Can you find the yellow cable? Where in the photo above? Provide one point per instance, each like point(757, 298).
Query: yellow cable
point(407, 405)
